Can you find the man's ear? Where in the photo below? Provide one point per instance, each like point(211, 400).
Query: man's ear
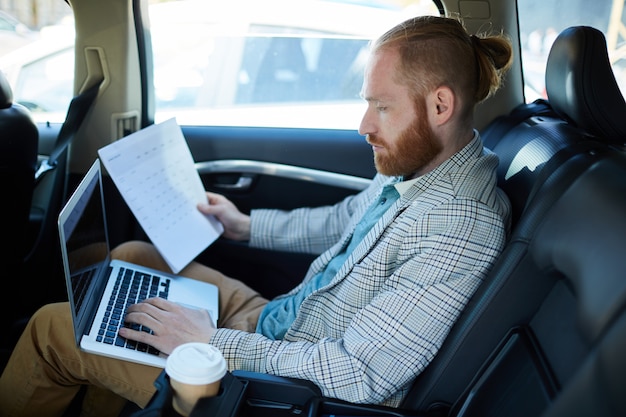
point(441, 106)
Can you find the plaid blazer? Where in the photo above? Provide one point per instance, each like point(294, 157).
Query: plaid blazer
point(366, 335)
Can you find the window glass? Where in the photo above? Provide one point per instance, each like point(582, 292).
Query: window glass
point(45, 84)
point(293, 63)
point(541, 21)
point(284, 63)
point(37, 57)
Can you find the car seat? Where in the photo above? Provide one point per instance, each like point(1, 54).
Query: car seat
point(560, 316)
point(19, 139)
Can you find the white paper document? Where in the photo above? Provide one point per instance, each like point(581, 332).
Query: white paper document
point(154, 171)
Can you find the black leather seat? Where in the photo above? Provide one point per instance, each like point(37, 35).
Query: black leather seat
point(19, 139)
point(538, 331)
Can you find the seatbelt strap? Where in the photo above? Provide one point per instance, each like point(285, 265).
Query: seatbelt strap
point(78, 108)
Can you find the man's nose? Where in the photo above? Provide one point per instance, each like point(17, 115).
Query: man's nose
point(367, 126)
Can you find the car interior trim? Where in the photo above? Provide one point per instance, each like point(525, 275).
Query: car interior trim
point(281, 170)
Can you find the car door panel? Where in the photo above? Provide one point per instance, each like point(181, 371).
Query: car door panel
point(280, 168)
point(342, 151)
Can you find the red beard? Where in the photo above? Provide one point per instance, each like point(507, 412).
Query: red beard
point(414, 148)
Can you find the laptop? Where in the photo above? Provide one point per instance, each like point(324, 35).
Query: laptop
point(94, 280)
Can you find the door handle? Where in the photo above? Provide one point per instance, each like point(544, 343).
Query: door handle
point(243, 183)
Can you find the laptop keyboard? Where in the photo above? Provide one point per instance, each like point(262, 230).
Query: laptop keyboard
point(80, 284)
point(130, 288)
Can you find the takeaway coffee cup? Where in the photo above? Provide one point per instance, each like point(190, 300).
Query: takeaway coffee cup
point(195, 371)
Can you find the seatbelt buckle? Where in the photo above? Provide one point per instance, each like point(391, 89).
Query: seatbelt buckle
point(44, 167)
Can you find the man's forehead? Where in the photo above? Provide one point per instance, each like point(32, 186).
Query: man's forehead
point(383, 58)
point(379, 80)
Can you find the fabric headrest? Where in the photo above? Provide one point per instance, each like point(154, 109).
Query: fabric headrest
point(6, 94)
point(581, 86)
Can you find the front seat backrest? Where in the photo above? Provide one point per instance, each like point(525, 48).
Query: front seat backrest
point(19, 139)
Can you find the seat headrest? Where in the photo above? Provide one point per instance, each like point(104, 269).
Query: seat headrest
point(6, 94)
point(581, 86)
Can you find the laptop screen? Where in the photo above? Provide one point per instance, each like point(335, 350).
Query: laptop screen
point(86, 255)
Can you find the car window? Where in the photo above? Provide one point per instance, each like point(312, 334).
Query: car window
point(43, 84)
point(541, 21)
point(280, 63)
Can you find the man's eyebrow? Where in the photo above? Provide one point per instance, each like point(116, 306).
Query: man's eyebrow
point(371, 99)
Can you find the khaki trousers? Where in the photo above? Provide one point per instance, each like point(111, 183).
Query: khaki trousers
point(46, 369)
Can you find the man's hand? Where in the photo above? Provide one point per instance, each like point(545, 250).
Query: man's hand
point(172, 324)
point(236, 224)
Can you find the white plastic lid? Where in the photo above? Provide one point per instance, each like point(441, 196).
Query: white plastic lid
point(196, 364)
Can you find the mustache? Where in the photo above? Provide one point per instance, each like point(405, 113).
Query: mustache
point(373, 140)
